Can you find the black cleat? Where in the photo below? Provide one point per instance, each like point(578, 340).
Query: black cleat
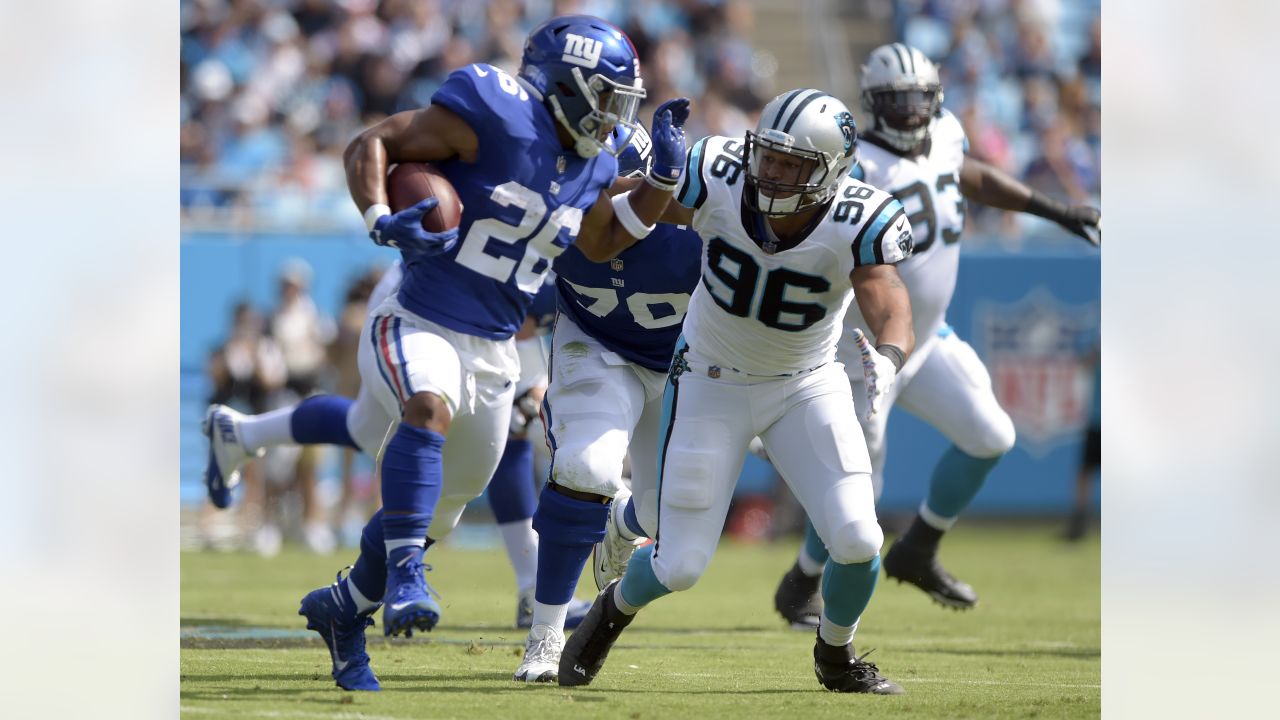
point(585, 651)
point(839, 670)
point(905, 563)
point(798, 599)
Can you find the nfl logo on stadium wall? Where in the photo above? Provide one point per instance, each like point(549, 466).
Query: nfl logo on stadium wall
point(1036, 349)
point(581, 51)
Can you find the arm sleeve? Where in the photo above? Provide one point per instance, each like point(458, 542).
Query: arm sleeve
point(886, 237)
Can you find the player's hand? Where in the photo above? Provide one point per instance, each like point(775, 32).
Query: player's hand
point(667, 132)
point(878, 373)
point(404, 231)
point(1084, 221)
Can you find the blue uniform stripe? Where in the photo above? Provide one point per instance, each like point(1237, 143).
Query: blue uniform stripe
point(404, 366)
point(693, 189)
point(870, 235)
point(858, 172)
point(374, 337)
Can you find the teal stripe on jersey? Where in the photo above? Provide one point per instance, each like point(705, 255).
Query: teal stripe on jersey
point(858, 172)
point(693, 188)
point(871, 236)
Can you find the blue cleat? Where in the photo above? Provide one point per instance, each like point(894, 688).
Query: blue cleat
point(578, 610)
point(335, 619)
point(407, 603)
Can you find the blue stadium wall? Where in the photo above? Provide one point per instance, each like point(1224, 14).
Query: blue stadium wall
point(1033, 317)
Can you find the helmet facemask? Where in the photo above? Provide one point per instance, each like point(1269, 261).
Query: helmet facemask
point(775, 167)
point(902, 115)
point(611, 104)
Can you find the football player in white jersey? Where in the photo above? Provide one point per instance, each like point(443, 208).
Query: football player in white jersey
point(918, 152)
point(790, 240)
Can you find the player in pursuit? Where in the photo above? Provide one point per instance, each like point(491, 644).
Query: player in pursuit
point(918, 152)
point(790, 241)
point(613, 339)
point(444, 361)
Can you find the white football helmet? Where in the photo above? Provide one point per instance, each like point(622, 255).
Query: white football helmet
point(817, 133)
point(902, 91)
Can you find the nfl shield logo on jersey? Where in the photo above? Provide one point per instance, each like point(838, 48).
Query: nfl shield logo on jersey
point(1036, 349)
point(615, 265)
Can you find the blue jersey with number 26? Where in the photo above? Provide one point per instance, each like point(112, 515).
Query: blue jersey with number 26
point(634, 304)
point(523, 200)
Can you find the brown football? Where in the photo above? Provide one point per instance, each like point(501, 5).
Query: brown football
point(410, 183)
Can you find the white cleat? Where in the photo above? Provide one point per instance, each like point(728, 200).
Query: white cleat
point(610, 556)
point(541, 663)
point(226, 453)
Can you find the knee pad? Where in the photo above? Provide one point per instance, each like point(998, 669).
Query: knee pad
point(856, 542)
point(994, 440)
point(563, 520)
point(594, 468)
point(679, 569)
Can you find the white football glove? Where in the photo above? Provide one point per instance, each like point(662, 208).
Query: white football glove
point(878, 372)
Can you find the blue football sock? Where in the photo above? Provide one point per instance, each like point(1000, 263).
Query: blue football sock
point(956, 480)
point(567, 530)
point(370, 572)
point(846, 589)
point(412, 472)
point(631, 521)
point(322, 420)
point(639, 585)
point(511, 494)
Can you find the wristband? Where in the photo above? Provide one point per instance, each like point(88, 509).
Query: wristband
point(627, 216)
point(373, 213)
point(661, 183)
point(894, 353)
point(1046, 207)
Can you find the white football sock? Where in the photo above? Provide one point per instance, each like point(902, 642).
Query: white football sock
point(522, 551)
point(268, 429)
point(621, 603)
point(833, 634)
point(553, 615)
point(808, 565)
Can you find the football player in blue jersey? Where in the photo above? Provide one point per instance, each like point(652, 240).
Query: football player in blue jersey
point(441, 355)
point(614, 335)
point(362, 424)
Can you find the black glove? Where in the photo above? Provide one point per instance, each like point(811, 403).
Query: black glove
point(1080, 220)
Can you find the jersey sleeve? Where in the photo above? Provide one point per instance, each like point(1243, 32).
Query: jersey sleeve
point(691, 192)
point(885, 238)
point(477, 94)
point(950, 129)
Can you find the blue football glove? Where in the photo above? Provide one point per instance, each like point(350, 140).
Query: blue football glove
point(404, 231)
point(667, 132)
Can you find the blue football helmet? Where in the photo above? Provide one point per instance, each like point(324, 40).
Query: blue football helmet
point(588, 73)
point(635, 157)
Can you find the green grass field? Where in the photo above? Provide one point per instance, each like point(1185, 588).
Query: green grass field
point(1030, 649)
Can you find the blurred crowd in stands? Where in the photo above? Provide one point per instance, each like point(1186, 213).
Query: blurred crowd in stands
point(272, 90)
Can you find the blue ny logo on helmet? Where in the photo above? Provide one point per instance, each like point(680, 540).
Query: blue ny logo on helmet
point(587, 72)
point(635, 158)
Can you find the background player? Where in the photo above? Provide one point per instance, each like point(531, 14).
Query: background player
point(918, 152)
point(444, 359)
point(789, 240)
point(613, 339)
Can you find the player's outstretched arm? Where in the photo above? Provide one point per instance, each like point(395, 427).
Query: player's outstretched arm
point(616, 223)
point(675, 214)
point(989, 185)
point(431, 134)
